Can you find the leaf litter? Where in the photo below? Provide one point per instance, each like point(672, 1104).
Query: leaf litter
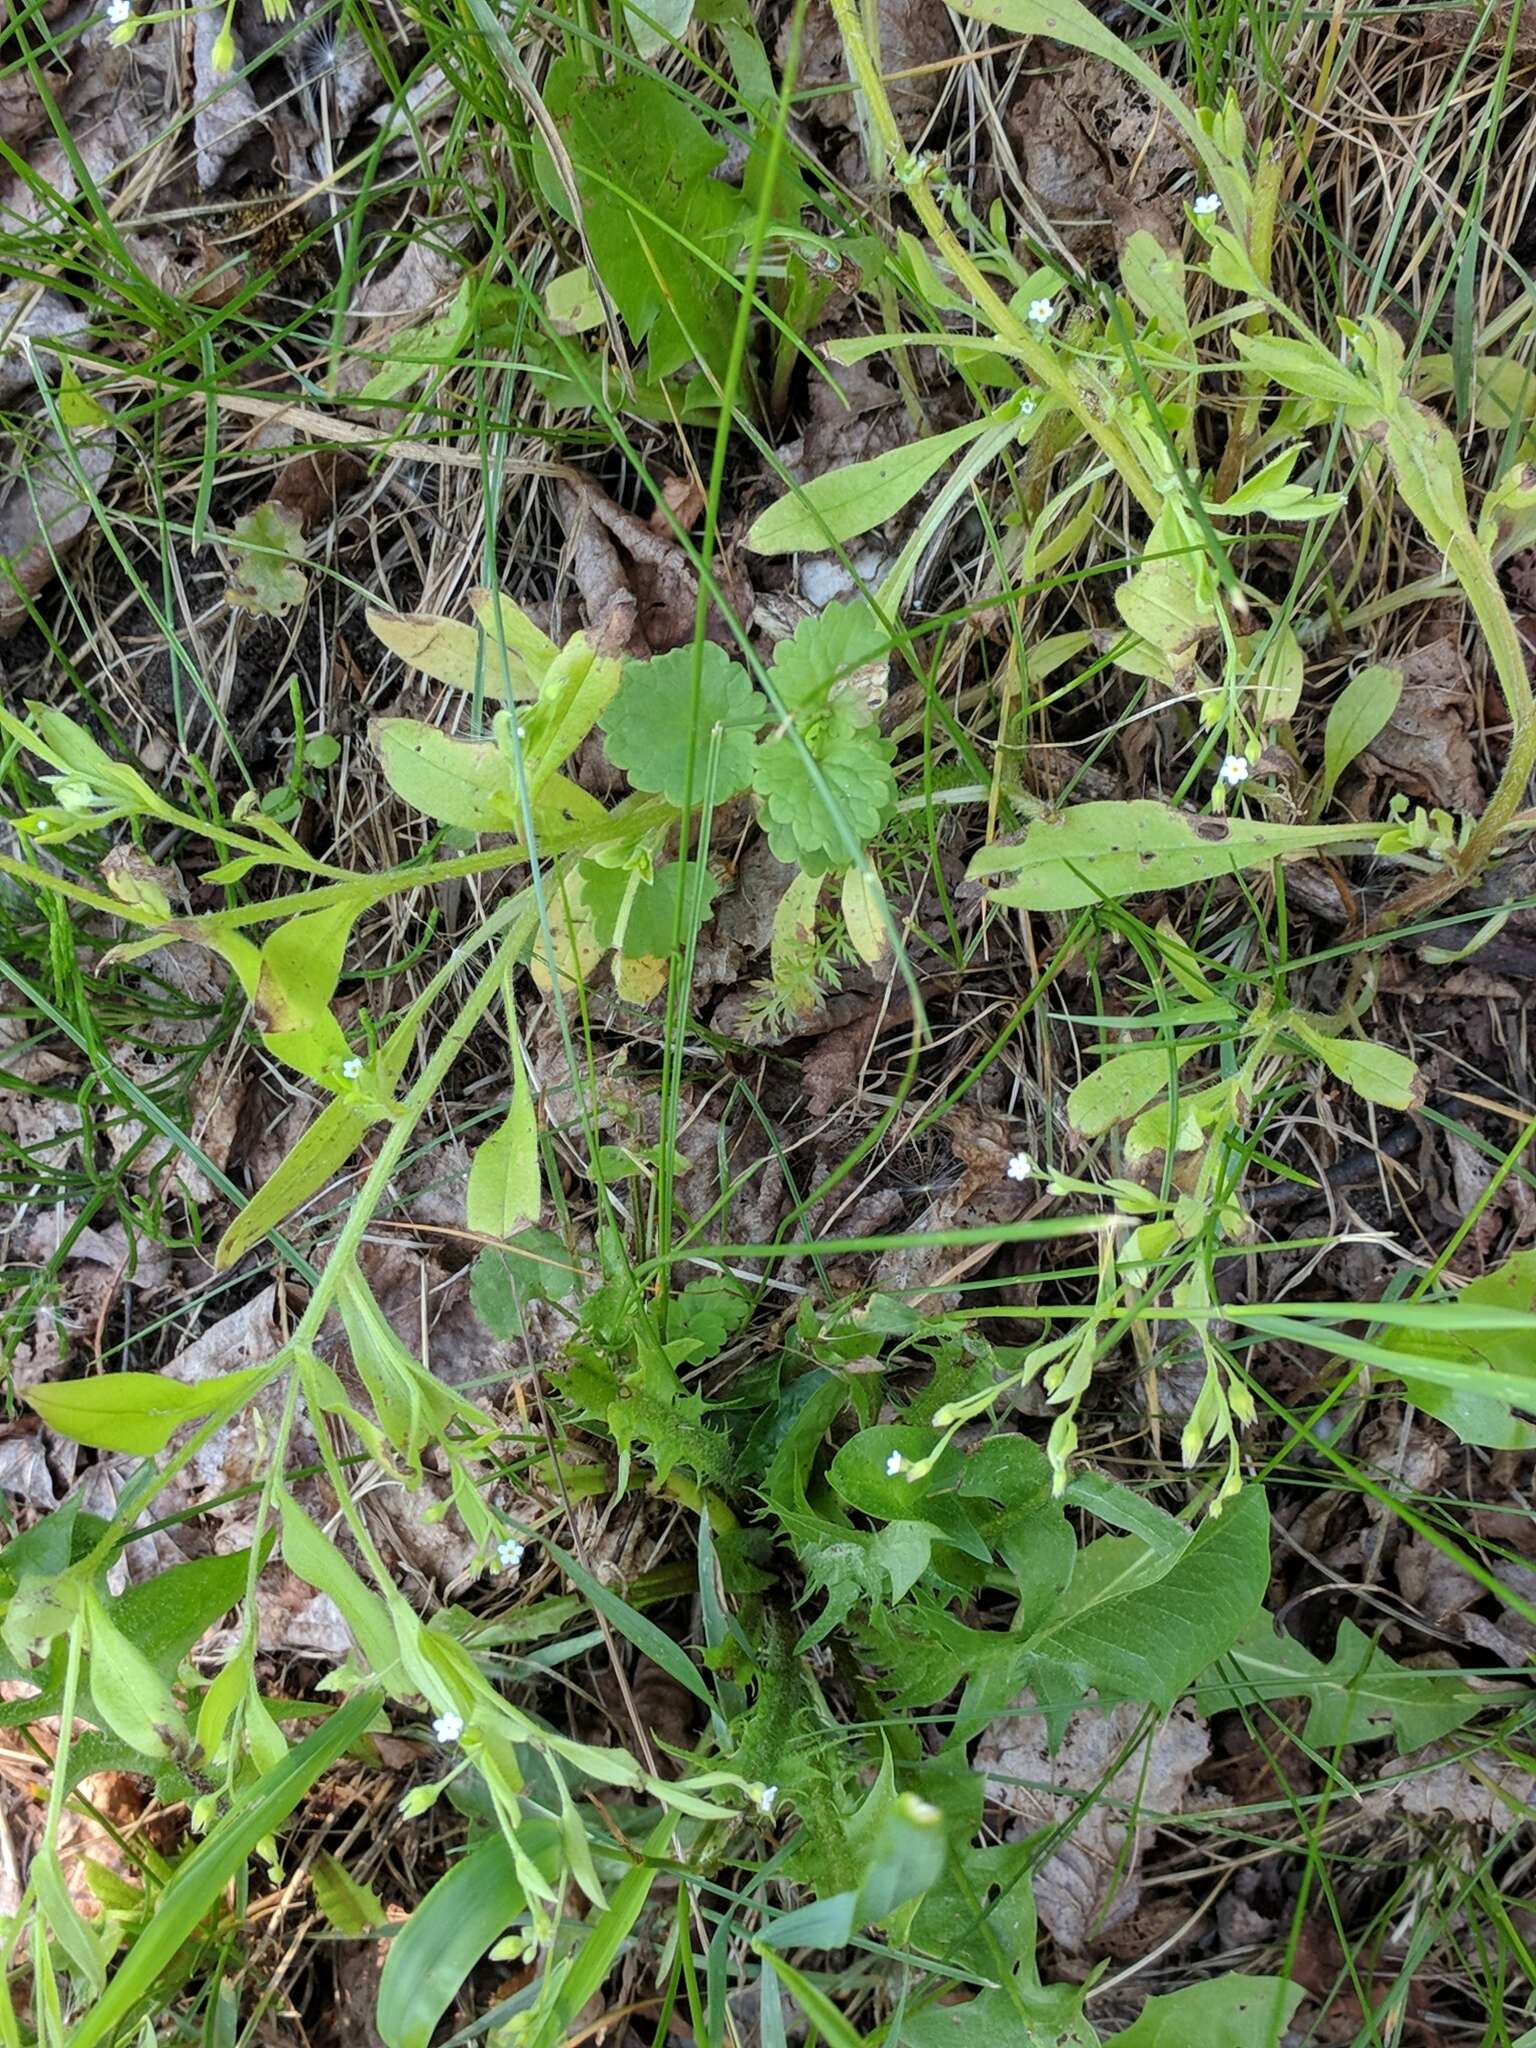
point(769, 1108)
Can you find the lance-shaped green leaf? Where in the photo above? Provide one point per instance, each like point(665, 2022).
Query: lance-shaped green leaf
point(137, 1412)
point(504, 1181)
point(843, 503)
point(1101, 852)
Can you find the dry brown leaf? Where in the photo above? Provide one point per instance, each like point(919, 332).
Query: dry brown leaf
point(114, 111)
point(1097, 155)
point(1426, 746)
point(22, 112)
point(1479, 1792)
point(912, 36)
point(1091, 1881)
point(24, 1473)
point(45, 506)
point(32, 324)
point(638, 588)
point(227, 115)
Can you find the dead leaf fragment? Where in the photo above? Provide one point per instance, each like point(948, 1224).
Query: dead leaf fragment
point(32, 326)
point(1426, 746)
point(1098, 156)
point(1109, 1807)
point(227, 115)
point(45, 506)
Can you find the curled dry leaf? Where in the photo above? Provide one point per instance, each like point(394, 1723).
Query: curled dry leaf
point(1097, 155)
point(1108, 1802)
point(45, 506)
point(32, 326)
point(912, 38)
point(1426, 746)
point(227, 115)
point(622, 566)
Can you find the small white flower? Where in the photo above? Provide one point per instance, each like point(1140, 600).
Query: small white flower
point(119, 12)
point(1026, 407)
point(448, 1727)
point(1207, 204)
point(350, 1069)
point(509, 1553)
point(1021, 1167)
point(522, 735)
point(1233, 770)
point(765, 1798)
point(1042, 311)
point(895, 1464)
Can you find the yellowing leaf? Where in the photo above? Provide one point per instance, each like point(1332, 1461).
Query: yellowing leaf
point(324, 1148)
point(639, 979)
point(301, 965)
point(1374, 1071)
point(1121, 1086)
point(267, 545)
point(468, 783)
point(504, 623)
point(573, 302)
point(448, 650)
point(504, 1181)
point(572, 949)
point(1097, 852)
point(864, 915)
point(846, 502)
point(134, 1411)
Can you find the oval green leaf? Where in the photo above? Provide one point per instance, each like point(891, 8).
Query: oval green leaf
point(138, 1412)
point(849, 501)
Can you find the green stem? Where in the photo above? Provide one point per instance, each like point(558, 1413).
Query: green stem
point(520, 915)
point(914, 174)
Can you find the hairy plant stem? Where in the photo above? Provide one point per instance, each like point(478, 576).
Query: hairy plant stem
point(913, 174)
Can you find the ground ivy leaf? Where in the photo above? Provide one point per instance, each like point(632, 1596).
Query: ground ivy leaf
point(638, 916)
point(647, 731)
point(533, 1266)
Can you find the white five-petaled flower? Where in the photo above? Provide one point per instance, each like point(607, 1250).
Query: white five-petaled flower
point(351, 1068)
point(1232, 771)
point(1042, 311)
point(448, 1727)
point(895, 1464)
point(119, 12)
point(1207, 204)
point(1021, 1167)
point(765, 1798)
point(509, 1553)
point(1026, 407)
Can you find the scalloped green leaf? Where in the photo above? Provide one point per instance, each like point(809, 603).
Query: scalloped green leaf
point(639, 916)
point(648, 733)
